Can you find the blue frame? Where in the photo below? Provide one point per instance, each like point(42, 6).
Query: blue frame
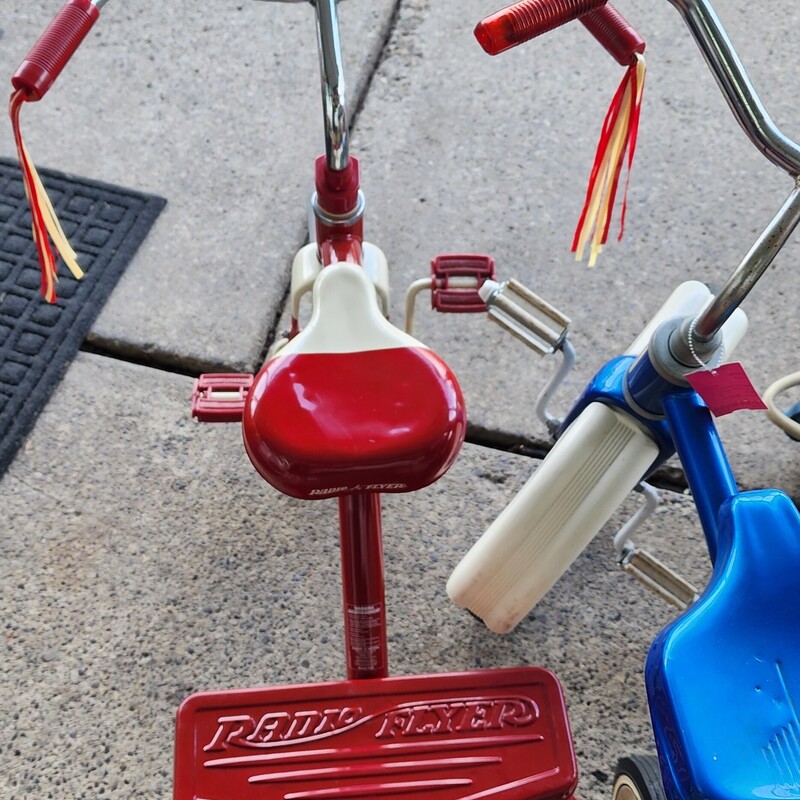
point(609, 386)
point(703, 457)
point(723, 680)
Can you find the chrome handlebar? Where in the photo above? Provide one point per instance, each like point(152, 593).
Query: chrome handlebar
point(735, 84)
point(337, 149)
point(749, 111)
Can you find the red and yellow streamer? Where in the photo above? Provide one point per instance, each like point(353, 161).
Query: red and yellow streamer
point(617, 137)
point(44, 222)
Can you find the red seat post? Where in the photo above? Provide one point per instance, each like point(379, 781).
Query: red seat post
point(363, 595)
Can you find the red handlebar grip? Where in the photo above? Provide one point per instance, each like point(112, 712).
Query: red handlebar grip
point(54, 48)
point(522, 21)
point(615, 33)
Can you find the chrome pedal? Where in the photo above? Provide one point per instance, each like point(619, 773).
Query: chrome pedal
point(525, 315)
point(659, 578)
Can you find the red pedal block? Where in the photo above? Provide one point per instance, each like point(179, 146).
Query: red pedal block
point(220, 397)
point(462, 736)
point(456, 280)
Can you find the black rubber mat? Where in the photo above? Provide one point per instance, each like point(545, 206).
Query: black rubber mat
point(105, 225)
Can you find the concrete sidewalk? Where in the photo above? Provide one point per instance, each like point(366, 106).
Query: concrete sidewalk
point(143, 559)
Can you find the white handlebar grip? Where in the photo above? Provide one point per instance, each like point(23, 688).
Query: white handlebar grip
point(585, 477)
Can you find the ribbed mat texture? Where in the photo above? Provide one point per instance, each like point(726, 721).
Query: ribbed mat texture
point(105, 225)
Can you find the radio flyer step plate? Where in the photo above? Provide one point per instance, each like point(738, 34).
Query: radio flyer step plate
point(462, 736)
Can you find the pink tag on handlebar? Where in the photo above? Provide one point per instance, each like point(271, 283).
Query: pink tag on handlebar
point(726, 389)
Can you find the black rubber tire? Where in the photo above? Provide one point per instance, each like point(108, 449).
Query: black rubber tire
point(638, 778)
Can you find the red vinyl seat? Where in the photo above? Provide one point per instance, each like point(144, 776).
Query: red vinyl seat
point(352, 404)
